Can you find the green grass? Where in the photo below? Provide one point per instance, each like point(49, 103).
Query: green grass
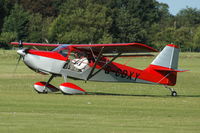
point(117, 107)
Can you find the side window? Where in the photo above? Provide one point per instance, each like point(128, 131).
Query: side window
point(64, 52)
point(72, 55)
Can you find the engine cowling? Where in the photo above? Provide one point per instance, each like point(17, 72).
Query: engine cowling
point(70, 89)
point(40, 87)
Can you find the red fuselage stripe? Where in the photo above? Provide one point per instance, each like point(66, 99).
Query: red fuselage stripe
point(48, 54)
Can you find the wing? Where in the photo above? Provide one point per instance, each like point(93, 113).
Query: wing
point(107, 48)
point(36, 45)
point(115, 48)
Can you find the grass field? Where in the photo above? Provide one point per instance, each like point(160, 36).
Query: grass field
point(109, 107)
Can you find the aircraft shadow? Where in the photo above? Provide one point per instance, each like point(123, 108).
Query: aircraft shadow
point(117, 94)
point(136, 95)
point(131, 95)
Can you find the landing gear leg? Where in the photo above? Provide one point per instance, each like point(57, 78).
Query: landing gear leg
point(64, 76)
point(173, 92)
point(45, 87)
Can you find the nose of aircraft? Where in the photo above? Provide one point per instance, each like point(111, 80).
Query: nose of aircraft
point(21, 52)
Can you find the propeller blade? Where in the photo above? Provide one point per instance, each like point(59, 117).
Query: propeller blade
point(21, 52)
point(20, 57)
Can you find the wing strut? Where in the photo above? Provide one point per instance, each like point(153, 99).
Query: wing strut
point(92, 53)
point(99, 57)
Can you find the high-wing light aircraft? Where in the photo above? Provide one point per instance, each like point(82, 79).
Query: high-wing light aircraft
point(98, 67)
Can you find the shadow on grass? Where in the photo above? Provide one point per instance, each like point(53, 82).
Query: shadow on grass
point(131, 95)
point(116, 94)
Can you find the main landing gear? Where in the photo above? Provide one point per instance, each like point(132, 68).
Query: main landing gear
point(65, 88)
point(173, 92)
point(45, 87)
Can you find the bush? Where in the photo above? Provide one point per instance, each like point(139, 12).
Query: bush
point(6, 38)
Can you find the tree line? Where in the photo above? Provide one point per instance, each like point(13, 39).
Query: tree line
point(98, 21)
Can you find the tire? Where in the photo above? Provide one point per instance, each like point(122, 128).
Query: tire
point(174, 93)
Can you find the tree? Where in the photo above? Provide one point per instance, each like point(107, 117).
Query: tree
point(164, 37)
point(35, 28)
point(188, 17)
point(88, 23)
point(127, 28)
point(183, 37)
point(132, 20)
point(165, 18)
point(5, 6)
point(2, 13)
point(6, 38)
point(145, 10)
point(47, 8)
point(196, 39)
point(17, 22)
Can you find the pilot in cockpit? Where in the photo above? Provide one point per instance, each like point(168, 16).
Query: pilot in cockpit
point(80, 63)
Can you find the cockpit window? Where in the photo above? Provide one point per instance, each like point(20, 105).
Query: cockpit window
point(64, 46)
point(63, 50)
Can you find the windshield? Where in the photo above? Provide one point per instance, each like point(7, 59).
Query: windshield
point(63, 49)
point(64, 46)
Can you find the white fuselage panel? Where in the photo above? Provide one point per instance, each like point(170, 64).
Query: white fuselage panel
point(44, 63)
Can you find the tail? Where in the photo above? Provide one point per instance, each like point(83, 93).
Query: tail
point(164, 67)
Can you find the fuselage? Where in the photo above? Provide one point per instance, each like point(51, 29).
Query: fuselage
point(57, 62)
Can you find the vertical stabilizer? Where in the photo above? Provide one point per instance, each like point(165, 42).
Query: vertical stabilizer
point(168, 57)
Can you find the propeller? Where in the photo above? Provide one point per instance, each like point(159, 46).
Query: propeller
point(20, 57)
point(21, 53)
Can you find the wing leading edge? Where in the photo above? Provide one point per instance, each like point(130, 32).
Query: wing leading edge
point(36, 44)
point(116, 48)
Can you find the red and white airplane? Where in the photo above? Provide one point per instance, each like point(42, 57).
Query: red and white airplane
point(98, 67)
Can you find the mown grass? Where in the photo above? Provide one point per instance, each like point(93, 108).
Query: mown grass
point(109, 107)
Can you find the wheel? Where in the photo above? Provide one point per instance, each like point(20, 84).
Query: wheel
point(174, 94)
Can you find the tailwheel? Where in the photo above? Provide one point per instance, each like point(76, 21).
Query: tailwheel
point(173, 92)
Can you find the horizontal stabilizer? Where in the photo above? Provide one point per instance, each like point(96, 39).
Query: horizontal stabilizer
point(160, 68)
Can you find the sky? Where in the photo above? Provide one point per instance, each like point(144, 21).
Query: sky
point(176, 5)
